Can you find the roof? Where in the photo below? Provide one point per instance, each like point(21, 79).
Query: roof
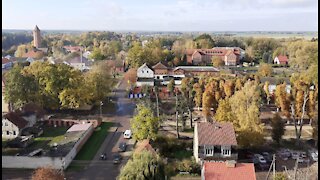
point(73, 48)
point(159, 65)
point(36, 28)
point(5, 60)
point(143, 66)
point(220, 171)
point(17, 120)
point(197, 68)
point(216, 133)
point(77, 59)
point(32, 54)
point(282, 58)
point(274, 80)
point(144, 145)
point(79, 127)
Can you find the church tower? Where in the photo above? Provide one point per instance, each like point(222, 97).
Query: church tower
point(36, 37)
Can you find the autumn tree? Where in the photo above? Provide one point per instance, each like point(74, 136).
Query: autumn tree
point(198, 94)
point(224, 112)
point(217, 61)
point(282, 99)
point(266, 90)
point(188, 95)
point(144, 124)
point(265, 70)
point(135, 55)
point(278, 129)
point(245, 106)
point(171, 86)
point(131, 76)
point(46, 173)
point(143, 165)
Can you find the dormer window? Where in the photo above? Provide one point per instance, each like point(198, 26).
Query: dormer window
point(226, 150)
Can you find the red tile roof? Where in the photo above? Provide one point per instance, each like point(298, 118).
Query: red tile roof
point(144, 145)
point(220, 171)
point(283, 58)
point(32, 54)
point(159, 65)
point(17, 120)
point(215, 133)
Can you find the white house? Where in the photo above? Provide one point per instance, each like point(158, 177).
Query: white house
point(145, 76)
point(86, 54)
point(12, 125)
point(79, 62)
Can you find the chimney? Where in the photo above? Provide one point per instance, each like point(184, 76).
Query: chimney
point(231, 164)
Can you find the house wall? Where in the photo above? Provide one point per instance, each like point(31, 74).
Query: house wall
point(196, 58)
point(5, 105)
point(195, 143)
point(11, 128)
point(78, 65)
point(145, 72)
point(141, 83)
point(54, 162)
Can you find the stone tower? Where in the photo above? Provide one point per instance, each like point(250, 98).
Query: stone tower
point(36, 37)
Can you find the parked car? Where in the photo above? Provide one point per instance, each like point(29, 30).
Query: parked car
point(117, 158)
point(295, 155)
point(260, 158)
point(284, 154)
point(103, 156)
point(127, 134)
point(314, 156)
point(267, 156)
point(122, 146)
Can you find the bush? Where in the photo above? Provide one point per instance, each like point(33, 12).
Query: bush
point(189, 165)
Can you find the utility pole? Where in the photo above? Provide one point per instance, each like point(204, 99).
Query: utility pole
point(156, 92)
point(177, 114)
point(295, 169)
point(273, 164)
point(101, 103)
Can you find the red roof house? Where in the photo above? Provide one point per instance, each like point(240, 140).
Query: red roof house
point(229, 170)
point(281, 60)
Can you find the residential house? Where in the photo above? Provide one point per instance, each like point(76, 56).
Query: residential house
point(230, 55)
point(12, 125)
point(214, 141)
point(116, 66)
point(80, 63)
point(144, 145)
point(86, 54)
point(273, 82)
point(145, 76)
point(229, 170)
point(281, 60)
point(6, 63)
point(71, 49)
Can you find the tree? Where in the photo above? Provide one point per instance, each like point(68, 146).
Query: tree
point(46, 173)
point(131, 76)
point(144, 165)
point(99, 81)
point(204, 41)
point(207, 101)
point(171, 86)
point(278, 130)
point(144, 125)
point(245, 106)
point(217, 61)
point(135, 55)
point(266, 90)
point(265, 70)
point(96, 54)
point(188, 95)
point(228, 88)
point(282, 99)
point(198, 94)
point(224, 112)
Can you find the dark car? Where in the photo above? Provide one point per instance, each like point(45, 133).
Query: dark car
point(267, 157)
point(117, 158)
point(103, 156)
point(122, 147)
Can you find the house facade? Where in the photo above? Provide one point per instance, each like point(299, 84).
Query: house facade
point(79, 62)
point(214, 141)
point(283, 60)
point(145, 76)
point(12, 125)
point(230, 55)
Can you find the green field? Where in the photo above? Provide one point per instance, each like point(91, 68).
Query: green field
point(91, 147)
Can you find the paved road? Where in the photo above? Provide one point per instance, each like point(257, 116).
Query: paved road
point(98, 169)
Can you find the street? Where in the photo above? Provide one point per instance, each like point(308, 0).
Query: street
point(100, 169)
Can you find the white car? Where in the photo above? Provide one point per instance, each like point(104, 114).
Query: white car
point(314, 156)
point(127, 134)
point(260, 158)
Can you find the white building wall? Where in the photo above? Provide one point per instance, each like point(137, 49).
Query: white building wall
point(141, 83)
point(9, 127)
point(145, 72)
point(195, 143)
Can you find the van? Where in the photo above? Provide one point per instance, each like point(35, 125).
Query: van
point(127, 134)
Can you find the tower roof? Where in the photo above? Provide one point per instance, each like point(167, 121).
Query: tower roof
point(36, 28)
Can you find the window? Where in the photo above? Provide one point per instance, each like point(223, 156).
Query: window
point(209, 151)
point(7, 132)
point(147, 71)
point(5, 124)
point(226, 151)
point(142, 71)
point(14, 132)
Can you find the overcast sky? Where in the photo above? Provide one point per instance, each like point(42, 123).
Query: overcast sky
point(162, 15)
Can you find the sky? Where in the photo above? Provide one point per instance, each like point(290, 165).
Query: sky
point(161, 15)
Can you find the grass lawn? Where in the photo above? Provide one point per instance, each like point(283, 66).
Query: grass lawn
point(91, 147)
